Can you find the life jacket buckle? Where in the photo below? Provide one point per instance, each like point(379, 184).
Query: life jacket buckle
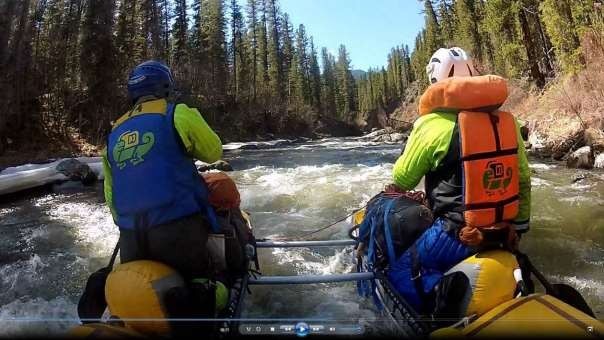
point(419, 275)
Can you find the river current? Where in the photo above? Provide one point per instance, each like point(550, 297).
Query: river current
point(51, 243)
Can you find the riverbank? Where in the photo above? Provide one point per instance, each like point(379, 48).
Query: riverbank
point(565, 119)
point(42, 148)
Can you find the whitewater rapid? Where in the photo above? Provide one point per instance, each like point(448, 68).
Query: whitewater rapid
point(51, 243)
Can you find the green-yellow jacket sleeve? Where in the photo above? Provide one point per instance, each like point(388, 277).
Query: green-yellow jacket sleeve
point(426, 146)
point(524, 213)
point(108, 183)
point(200, 141)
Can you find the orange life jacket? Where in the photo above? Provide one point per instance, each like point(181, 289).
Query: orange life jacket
point(488, 148)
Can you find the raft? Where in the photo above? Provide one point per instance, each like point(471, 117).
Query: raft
point(536, 315)
point(491, 312)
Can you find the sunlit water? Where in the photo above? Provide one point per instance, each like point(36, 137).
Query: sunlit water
point(50, 244)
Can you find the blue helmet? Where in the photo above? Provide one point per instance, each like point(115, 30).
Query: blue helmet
point(151, 78)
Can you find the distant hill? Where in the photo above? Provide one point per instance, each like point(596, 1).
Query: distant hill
point(357, 74)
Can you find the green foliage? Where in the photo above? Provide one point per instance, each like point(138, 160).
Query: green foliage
point(560, 26)
point(64, 62)
point(500, 22)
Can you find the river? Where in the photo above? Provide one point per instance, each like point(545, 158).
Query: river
point(51, 243)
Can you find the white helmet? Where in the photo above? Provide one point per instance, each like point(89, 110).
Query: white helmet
point(450, 62)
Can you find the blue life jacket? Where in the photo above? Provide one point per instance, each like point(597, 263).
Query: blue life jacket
point(154, 180)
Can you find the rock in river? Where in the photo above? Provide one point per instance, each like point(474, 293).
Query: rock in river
point(599, 161)
point(218, 165)
point(582, 158)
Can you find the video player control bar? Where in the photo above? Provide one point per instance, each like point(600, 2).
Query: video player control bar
point(300, 329)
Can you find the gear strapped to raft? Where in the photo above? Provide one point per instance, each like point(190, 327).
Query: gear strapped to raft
point(393, 220)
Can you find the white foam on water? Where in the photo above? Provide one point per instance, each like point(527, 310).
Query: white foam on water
point(542, 166)
point(577, 200)
point(579, 186)
point(307, 262)
point(339, 263)
point(92, 224)
point(7, 211)
point(295, 258)
point(540, 182)
point(18, 279)
point(37, 317)
point(334, 145)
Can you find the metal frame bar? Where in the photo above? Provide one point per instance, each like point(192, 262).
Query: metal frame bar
point(295, 244)
point(309, 279)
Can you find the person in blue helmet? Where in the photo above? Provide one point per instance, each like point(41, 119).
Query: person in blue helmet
point(152, 187)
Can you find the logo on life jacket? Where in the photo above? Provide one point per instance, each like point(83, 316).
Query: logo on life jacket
point(496, 178)
point(130, 148)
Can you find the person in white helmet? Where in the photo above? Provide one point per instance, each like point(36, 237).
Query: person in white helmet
point(477, 179)
point(450, 62)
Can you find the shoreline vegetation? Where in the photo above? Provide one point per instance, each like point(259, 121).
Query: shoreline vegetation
point(254, 75)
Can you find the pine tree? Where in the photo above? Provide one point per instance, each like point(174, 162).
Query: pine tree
point(419, 58)
point(315, 78)
point(153, 47)
point(197, 46)
point(8, 11)
point(286, 35)
point(531, 45)
point(467, 32)
point(128, 41)
point(345, 97)
point(98, 62)
point(274, 53)
point(237, 50)
point(560, 26)
point(500, 22)
point(252, 10)
point(447, 23)
point(262, 78)
point(303, 67)
point(295, 82)
point(179, 34)
point(213, 31)
point(17, 80)
point(432, 40)
point(328, 83)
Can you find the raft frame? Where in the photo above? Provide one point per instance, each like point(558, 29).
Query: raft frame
point(407, 322)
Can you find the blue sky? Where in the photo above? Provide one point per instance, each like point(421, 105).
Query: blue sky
point(368, 28)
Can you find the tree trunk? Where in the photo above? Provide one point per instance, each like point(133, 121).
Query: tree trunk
point(530, 52)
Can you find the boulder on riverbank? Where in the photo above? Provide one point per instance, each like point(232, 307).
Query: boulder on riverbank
point(394, 137)
point(581, 148)
point(595, 139)
point(387, 135)
point(218, 165)
point(599, 161)
point(583, 158)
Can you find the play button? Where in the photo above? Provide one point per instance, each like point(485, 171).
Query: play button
point(302, 329)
